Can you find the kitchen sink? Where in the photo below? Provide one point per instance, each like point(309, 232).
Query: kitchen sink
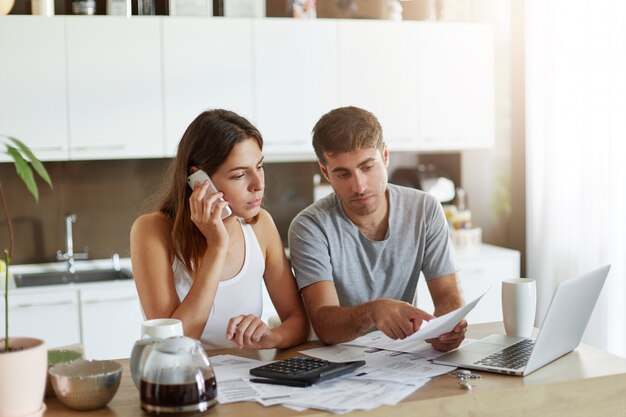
point(64, 277)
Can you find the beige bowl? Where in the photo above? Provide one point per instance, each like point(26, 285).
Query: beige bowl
point(86, 385)
point(59, 355)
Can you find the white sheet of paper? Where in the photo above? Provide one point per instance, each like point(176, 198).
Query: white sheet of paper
point(385, 365)
point(230, 367)
point(343, 395)
point(235, 390)
point(429, 330)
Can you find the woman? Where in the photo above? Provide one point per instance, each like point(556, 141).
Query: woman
point(192, 265)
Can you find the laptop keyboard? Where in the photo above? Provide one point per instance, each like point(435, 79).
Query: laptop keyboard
point(513, 357)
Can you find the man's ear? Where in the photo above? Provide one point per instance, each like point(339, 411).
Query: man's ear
point(385, 155)
point(323, 170)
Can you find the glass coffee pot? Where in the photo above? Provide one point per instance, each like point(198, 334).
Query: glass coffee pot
point(177, 377)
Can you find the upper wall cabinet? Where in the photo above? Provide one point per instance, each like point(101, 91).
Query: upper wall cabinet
point(207, 63)
point(431, 85)
point(104, 87)
point(114, 87)
point(33, 101)
point(296, 82)
point(377, 71)
point(456, 86)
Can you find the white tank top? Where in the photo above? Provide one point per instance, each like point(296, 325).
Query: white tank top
point(241, 294)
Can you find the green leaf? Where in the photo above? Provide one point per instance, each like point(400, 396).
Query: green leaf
point(24, 171)
point(37, 165)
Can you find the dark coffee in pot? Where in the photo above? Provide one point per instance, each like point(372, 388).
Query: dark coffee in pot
point(177, 398)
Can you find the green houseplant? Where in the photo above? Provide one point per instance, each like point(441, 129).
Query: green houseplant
point(23, 361)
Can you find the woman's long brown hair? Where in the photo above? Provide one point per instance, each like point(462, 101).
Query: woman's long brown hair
point(206, 144)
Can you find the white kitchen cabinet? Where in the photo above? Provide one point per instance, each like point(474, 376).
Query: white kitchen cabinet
point(480, 269)
point(108, 87)
point(377, 71)
point(455, 78)
point(33, 100)
point(51, 316)
point(296, 81)
point(105, 317)
point(207, 63)
point(114, 87)
point(110, 320)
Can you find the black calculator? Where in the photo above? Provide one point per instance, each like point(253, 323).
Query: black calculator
point(302, 372)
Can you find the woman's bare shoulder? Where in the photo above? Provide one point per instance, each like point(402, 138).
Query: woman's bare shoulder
point(152, 224)
point(265, 229)
point(264, 221)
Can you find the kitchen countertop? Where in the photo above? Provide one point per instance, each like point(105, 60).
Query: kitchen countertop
point(94, 264)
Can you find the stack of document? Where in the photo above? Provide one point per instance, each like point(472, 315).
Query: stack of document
point(394, 369)
point(366, 389)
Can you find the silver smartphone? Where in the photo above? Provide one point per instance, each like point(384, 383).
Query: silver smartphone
point(201, 176)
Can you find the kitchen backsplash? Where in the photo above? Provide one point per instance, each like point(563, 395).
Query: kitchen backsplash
point(107, 196)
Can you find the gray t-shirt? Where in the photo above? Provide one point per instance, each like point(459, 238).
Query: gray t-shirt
point(326, 246)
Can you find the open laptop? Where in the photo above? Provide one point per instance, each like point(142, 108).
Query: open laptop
point(562, 329)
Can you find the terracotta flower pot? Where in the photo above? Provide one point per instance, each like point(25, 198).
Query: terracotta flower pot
point(22, 377)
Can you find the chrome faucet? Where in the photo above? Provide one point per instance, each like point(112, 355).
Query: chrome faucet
point(69, 254)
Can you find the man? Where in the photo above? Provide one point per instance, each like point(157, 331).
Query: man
point(358, 253)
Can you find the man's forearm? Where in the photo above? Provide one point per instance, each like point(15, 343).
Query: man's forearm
point(448, 303)
point(335, 324)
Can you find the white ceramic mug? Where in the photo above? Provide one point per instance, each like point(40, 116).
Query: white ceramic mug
point(161, 328)
point(42, 7)
point(519, 303)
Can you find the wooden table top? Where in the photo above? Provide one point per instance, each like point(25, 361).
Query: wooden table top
point(584, 382)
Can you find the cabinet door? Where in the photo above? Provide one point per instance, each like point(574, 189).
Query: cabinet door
point(114, 87)
point(33, 104)
point(456, 87)
point(207, 64)
point(111, 321)
point(377, 67)
point(296, 82)
point(53, 317)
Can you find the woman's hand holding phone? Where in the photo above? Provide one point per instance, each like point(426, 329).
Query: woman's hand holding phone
point(206, 207)
point(199, 177)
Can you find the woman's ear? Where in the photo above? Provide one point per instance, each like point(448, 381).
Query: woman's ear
point(192, 169)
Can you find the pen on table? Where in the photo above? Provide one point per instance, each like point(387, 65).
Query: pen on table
point(299, 384)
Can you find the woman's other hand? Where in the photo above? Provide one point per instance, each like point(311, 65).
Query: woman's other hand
point(249, 331)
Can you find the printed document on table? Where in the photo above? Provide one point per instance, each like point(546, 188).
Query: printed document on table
point(232, 374)
point(229, 367)
point(339, 395)
point(385, 365)
point(429, 330)
point(342, 395)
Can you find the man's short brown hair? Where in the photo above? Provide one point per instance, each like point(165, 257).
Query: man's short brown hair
point(346, 129)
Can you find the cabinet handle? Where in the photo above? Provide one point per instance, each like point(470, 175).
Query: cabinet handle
point(47, 148)
point(114, 300)
point(58, 303)
point(98, 148)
